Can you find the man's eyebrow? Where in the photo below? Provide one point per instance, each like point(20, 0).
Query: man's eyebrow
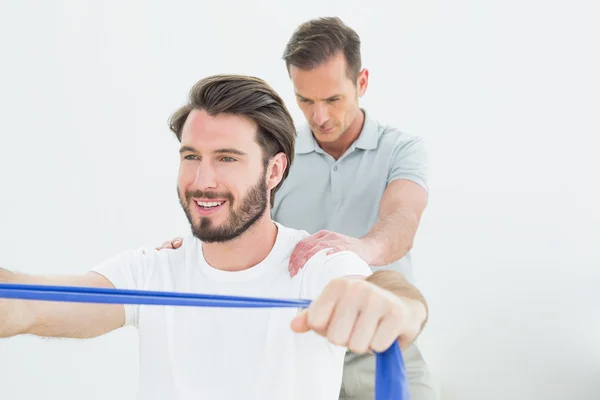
point(185, 149)
point(327, 99)
point(230, 151)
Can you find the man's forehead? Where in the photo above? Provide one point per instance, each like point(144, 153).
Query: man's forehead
point(200, 124)
point(319, 83)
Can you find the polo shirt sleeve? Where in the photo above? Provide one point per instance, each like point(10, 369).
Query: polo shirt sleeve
point(409, 161)
point(321, 269)
point(127, 270)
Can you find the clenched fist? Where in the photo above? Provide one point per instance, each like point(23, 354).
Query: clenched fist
point(362, 316)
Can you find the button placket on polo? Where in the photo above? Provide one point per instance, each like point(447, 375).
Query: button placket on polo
point(336, 182)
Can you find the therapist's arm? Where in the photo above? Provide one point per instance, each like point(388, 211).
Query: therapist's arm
point(400, 211)
point(401, 207)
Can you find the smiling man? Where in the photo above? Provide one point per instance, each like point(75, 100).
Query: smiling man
point(237, 142)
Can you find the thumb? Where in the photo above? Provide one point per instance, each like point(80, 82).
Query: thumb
point(300, 323)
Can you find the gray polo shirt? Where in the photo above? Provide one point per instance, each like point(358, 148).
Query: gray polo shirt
point(343, 196)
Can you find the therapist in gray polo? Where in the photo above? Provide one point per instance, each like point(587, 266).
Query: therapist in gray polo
point(355, 184)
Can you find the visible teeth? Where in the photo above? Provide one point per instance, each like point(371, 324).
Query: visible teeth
point(209, 203)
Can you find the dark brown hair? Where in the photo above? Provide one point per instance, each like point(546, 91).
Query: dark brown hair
point(314, 42)
point(245, 96)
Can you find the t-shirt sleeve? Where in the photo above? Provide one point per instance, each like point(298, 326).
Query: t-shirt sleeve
point(322, 269)
point(127, 270)
point(409, 161)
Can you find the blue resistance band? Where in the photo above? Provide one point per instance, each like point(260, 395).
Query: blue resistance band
point(390, 373)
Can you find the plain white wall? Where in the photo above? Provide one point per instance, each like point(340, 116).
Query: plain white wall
point(504, 92)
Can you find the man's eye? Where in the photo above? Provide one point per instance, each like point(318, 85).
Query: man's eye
point(227, 159)
point(190, 157)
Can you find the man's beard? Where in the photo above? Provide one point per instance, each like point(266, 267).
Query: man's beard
point(251, 208)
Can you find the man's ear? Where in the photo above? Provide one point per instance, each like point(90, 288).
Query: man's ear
point(363, 82)
point(275, 170)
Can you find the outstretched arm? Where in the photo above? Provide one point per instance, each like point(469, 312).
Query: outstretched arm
point(58, 319)
point(365, 311)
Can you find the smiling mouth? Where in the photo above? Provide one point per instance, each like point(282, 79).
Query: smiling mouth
point(207, 205)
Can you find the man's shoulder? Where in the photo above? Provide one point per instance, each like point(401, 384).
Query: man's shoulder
point(323, 268)
point(290, 237)
point(388, 134)
point(143, 266)
point(147, 256)
point(394, 138)
point(345, 262)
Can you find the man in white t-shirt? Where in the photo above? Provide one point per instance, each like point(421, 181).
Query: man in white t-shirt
point(237, 142)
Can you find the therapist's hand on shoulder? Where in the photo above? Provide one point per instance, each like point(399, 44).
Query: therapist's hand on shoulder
point(361, 316)
point(309, 246)
point(336, 242)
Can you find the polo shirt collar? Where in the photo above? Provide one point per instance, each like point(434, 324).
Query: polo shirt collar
point(367, 140)
point(305, 142)
point(369, 135)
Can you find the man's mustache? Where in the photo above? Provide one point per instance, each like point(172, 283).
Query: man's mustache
point(208, 195)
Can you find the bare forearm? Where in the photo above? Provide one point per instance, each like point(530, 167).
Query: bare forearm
point(13, 316)
point(392, 237)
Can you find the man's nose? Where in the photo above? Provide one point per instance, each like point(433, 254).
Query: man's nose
point(320, 114)
point(206, 178)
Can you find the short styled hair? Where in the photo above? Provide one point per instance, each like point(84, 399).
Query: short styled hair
point(316, 41)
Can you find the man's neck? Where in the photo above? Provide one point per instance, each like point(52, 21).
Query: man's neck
point(245, 251)
point(337, 148)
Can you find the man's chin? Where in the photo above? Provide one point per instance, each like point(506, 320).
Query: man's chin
point(211, 239)
point(212, 233)
point(331, 136)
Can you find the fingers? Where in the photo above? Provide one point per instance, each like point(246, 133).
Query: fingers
point(172, 244)
point(310, 246)
point(305, 251)
point(387, 332)
point(355, 314)
point(302, 258)
point(165, 245)
point(345, 315)
point(299, 323)
point(299, 252)
point(321, 234)
point(298, 256)
point(363, 332)
point(321, 310)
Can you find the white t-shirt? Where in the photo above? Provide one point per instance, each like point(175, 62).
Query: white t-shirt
point(231, 353)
